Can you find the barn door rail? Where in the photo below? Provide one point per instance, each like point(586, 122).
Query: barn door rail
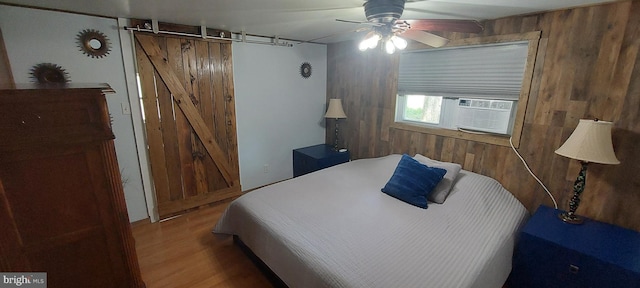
point(237, 37)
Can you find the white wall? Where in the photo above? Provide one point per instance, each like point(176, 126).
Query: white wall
point(276, 109)
point(35, 36)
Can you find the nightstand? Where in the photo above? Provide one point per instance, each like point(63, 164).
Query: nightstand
point(551, 253)
point(314, 158)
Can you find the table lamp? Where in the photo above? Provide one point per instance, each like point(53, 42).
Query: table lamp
point(335, 111)
point(589, 143)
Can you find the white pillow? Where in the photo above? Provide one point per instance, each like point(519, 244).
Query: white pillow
point(440, 193)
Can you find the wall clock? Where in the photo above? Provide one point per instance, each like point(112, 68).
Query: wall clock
point(305, 70)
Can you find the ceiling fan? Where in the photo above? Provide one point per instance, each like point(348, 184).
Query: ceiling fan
point(386, 26)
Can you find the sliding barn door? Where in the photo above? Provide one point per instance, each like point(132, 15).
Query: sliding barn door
point(188, 100)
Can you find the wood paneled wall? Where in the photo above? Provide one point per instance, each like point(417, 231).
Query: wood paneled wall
point(587, 67)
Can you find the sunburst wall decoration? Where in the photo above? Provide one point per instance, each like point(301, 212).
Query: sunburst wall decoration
point(305, 70)
point(44, 73)
point(93, 43)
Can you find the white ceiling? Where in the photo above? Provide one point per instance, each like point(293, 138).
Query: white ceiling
point(302, 20)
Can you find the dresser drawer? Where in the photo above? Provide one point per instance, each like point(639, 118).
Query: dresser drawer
point(551, 253)
point(548, 265)
point(58, 118)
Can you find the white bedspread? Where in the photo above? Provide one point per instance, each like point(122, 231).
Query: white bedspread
point(334, 228)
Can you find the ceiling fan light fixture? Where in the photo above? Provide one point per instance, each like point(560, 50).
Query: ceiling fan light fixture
point(391, 44)
point(373, 41)
point(390, 47)
point(370, 41)
point(400, 43)
point(363, 45)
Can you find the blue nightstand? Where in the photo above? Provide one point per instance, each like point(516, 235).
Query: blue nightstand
point(551, 253)
point(314, 158)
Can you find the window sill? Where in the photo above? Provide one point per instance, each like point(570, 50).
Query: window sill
point(484, 138)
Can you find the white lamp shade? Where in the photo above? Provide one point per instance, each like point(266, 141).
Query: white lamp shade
point(590, 142)
point(335, 109)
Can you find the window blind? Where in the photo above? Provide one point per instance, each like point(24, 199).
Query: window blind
point(486, 71)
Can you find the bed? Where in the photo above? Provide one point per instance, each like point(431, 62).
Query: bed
point(335, 228)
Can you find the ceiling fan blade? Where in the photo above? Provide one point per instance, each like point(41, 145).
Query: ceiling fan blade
point(351, 21)
point(335, 35)
point(466, 26)
point(360, 22)
point(337, 10)
point(441, 13)
point(425, 38)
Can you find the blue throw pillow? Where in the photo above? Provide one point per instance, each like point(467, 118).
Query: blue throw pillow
point(412, 181)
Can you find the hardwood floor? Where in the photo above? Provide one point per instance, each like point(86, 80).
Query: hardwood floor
point(182, 252)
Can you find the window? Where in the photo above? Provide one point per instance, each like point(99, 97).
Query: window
point(421, 108)
point(432, 111)
point(481, 87)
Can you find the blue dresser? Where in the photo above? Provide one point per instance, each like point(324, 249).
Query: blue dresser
point(313, 158)
point(551, 253)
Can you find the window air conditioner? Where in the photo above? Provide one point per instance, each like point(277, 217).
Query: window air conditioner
point(492, 116)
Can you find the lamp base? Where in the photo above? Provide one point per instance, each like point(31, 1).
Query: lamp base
point(570, 218)
point(335, 143)
point(578, 186)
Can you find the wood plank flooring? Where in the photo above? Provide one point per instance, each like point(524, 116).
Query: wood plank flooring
point(182, 252)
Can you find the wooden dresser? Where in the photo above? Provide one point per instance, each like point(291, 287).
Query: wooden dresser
point(62, 207)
